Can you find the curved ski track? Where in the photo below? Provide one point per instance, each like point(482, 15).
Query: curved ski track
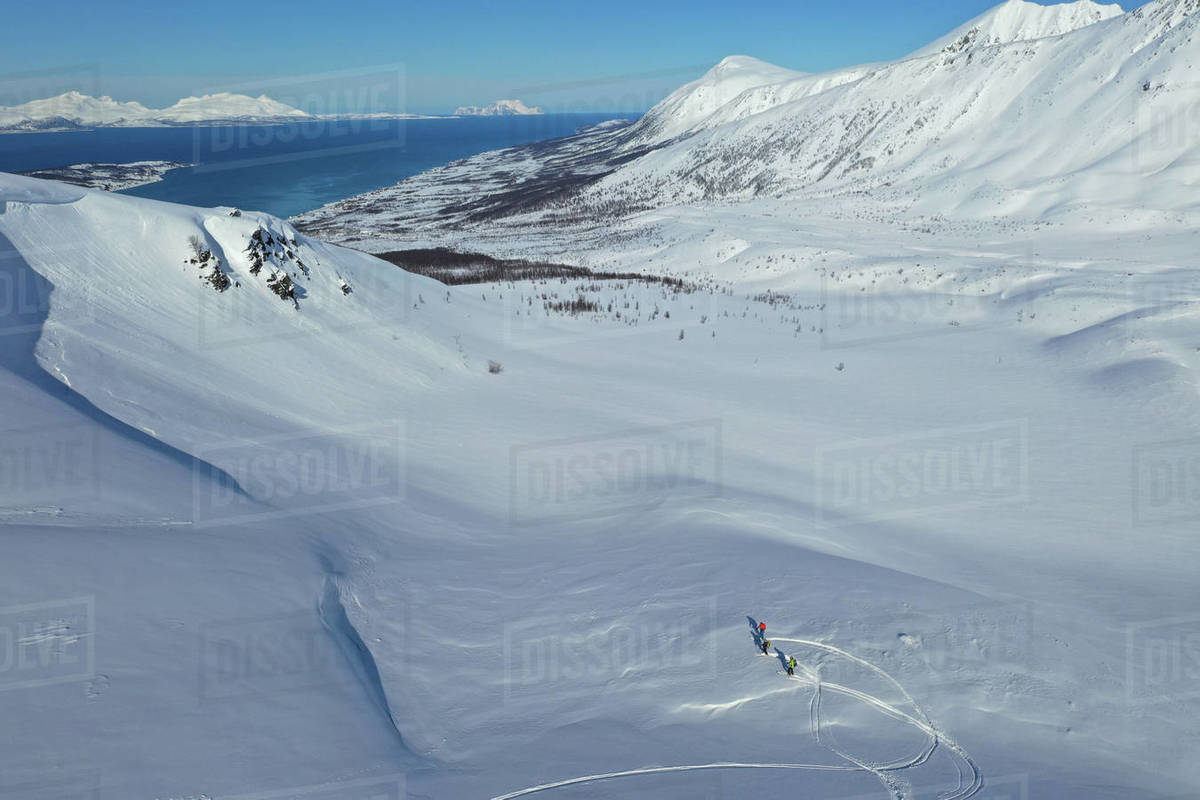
point(970, 779)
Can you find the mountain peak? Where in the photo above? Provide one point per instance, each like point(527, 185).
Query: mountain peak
point(731, 64)
point(1019, 21)
point(690, 104)
point(747, 69)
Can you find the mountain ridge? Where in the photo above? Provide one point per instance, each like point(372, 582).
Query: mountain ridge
point(1021, 20)
point(1089, 122)
point(74, 109)
point(77, 109)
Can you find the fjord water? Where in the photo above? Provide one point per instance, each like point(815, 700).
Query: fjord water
point(286, 169)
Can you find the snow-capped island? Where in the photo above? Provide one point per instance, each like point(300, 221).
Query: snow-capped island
point(73, 110)
point(500, 108)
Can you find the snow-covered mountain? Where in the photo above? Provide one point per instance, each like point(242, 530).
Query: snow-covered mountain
point(500, 108)
point(1060, 110)
point(1016, 127)
point(226, 106)
point(74, 109)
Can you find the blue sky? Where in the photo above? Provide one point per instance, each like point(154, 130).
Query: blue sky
point(567, 55)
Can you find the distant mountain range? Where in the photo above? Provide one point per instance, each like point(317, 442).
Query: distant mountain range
point(77, 110)
point(500, 108)
point(73, 110)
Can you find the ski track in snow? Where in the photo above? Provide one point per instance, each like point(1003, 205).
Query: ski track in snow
point(885, 771)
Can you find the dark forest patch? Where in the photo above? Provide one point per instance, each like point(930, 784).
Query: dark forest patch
point(454, 268)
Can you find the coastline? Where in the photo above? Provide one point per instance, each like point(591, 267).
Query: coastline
point(283, 169)
point(109, 177)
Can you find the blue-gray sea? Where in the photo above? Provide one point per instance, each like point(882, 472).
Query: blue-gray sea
point(286, 169)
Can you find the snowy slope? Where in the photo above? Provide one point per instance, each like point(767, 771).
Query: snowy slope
point(112, 609)
point(689, 106)
point(997, 232)
point(521, 638)
point(931, 418)
point(1020, 21)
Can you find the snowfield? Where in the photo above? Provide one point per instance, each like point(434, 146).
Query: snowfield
point(283, 520)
